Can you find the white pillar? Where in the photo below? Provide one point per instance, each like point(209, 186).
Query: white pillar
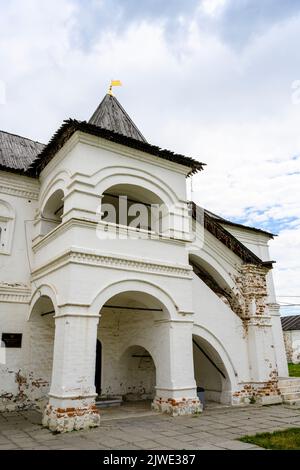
point(262, 360)
point(175, 382)
point(280, 352)
point(72, 393)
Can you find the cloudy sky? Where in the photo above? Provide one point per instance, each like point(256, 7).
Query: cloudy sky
point(215, 79)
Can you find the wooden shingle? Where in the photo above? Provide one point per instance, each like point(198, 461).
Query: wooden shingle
point(17, 153)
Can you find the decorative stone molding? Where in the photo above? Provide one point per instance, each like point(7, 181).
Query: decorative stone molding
point(274, 309)
point(177, 407)
point(80, 256)
point(259, 321)
point(40, 243)
point(17, 293)
point(18, 186)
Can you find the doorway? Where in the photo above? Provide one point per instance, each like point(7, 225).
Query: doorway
point(98, 371)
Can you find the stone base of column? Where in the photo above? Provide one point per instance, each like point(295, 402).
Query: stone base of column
point(177, 406)
point(70, 419)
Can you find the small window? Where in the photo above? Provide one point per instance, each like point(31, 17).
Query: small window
point(6, 227)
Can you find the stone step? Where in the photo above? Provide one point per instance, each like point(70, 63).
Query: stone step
point(290, 389)
point(292, 402)
point(108, 403)
point(289, 382)
point(291, 396)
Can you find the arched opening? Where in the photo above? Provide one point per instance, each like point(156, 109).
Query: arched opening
point(136, 207)
point(210, 372)
point(210, 276)
point(41, 346)
point(53, 211)
point(127, 332)
point(137, 374)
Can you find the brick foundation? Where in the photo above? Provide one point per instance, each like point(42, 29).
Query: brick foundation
point(70, 419)
point(259, 392)
point(175, 407)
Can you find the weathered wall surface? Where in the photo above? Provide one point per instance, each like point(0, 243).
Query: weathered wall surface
point(26, 372)
point(122, 373)
point(292, 346)
point(258, 243)
point(206, 375)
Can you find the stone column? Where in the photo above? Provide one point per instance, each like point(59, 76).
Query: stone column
point(175, 382)
point(260, 348)
point(72, 393)
point(280, 352)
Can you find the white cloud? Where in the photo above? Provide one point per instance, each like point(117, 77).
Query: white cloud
point(213, 7)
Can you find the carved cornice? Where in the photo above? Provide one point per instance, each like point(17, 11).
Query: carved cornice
point(112, 261)
point(17, 185)
point(15, 293)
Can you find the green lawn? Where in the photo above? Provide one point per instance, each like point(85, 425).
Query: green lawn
point(278, 440)
point(294, 370)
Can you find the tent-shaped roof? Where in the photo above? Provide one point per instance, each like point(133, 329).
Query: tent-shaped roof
point(112, 116)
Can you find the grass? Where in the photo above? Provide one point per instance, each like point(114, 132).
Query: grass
point(288, 439)
point(294, 370)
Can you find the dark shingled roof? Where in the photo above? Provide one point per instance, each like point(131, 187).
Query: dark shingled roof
point(221, 220)
point(70, 126)
point(213, 226)
point(17, 153)
point(112, 116)
point(291, 322)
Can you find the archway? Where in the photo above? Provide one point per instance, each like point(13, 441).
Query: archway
point(41, 344)
point(53, 211)
point(218, 280)
point(210, 371)
point(134, 206)
point(128, 334)
point(137, 374)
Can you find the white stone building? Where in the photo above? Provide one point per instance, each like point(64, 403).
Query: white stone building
point(93, 303)
point(291, 335)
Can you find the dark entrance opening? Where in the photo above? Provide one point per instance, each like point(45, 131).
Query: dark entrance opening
point(98, 371)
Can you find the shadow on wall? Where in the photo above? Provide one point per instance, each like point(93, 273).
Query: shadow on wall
point(210, 373)
point(137, 374)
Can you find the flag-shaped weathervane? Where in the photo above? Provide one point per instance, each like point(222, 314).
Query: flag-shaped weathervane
point(113, 83)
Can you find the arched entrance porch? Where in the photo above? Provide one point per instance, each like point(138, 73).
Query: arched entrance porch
point(127, 331)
